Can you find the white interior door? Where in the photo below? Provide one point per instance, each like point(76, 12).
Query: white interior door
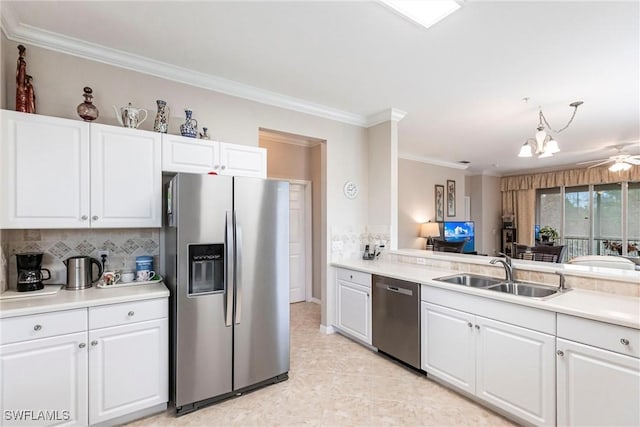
point(297, 242)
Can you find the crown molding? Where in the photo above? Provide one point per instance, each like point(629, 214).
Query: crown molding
point(430, 161)
point(23, 33)
point(392, 114)
point(286, 139)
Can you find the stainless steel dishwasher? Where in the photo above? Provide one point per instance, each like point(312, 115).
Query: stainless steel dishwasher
point(396, 319)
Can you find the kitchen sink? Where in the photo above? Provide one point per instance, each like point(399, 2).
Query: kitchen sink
point(471, 280)
point(524, 289)
point(530, 290)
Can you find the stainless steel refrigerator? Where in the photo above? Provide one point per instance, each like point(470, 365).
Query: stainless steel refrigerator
point(226, 247)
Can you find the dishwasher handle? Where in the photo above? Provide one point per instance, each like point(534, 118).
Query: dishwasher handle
point(395, 289)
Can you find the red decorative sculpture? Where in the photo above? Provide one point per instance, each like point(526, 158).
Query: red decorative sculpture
point(25, 95)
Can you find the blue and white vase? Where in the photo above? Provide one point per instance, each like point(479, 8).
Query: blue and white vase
point(190, 127)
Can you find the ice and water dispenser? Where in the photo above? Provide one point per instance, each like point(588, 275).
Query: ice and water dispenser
point(206, 268)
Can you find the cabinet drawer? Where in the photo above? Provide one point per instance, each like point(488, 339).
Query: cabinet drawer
point(599, 334)
point(24, 328)
point(127, 312)
point(358, 277)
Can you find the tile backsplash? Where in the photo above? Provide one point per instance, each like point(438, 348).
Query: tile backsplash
point(348, 242)
point(124, 245)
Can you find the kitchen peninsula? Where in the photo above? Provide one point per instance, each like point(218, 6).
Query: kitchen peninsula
point(478, 341)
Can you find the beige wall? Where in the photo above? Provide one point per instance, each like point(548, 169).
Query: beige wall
point(416, 198)
point(316, 220)
point(59, 79)
point(296, 162)
point(486, 208)
point(379, 173)
point(287, 161)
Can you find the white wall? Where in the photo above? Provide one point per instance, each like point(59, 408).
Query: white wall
point(59, 79)
point(416, 198)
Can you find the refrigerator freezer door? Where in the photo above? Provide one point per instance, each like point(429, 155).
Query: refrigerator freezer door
point(203, 341)
point(261, 321)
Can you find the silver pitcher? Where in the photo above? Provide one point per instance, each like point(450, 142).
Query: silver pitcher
point(129, 116)
point(80, 272)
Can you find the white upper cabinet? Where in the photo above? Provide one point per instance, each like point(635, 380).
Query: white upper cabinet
point(243, 160)
point(181, 154)
point(44, 172)
point(59, 173)
point(126, 177)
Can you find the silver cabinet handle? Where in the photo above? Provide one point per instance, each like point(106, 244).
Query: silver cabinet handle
point(37, 327)
point(478, 327)
point(216, 166)
point(560, 353)
point(624, 341)
point(95, 217)
point(94, 343)
point(130, 314)
point(82, 345)
point(351, 277)
point(469, 324)
point(223, 167)
point(84, 217)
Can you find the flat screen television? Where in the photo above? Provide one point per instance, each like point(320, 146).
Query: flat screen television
point(455, 231)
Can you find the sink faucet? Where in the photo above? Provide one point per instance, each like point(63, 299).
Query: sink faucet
point(562, 286)
point(508, 267)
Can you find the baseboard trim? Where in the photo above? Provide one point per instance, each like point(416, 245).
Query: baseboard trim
point(315, 301)
point(327, 330)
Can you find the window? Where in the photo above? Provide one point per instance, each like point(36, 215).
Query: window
point(549, 208)
point(601, 219)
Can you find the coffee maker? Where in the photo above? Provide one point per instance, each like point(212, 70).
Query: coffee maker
point(30, 274)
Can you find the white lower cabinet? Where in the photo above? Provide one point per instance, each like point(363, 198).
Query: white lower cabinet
point(44, 381)
point(84, 366)
point(128, 369)
point(597, 386)
point(508, 366)
point(353, 299)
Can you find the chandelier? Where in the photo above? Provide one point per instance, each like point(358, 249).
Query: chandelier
point(543, 145)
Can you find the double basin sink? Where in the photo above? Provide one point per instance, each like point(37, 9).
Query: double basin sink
point(530, 290)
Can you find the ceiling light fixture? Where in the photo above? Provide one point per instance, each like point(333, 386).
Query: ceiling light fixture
point(543, 145)
point(619, 165)
point(425, 13)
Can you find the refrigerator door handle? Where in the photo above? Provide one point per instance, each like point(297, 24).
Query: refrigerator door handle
point(238, 269)
point(229, 279)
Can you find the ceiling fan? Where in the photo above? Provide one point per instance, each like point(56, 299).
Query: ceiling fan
point(619, 161)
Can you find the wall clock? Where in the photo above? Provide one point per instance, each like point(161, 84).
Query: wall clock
point(350, 189)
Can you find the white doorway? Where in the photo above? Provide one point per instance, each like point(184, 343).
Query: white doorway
point(299, 241)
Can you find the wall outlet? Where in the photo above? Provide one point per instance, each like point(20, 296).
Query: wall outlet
point(421, 261)
point(336, 246)
point(105, 253)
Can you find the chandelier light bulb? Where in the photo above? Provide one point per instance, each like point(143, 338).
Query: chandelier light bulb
point(525, 151)
point(552, 146)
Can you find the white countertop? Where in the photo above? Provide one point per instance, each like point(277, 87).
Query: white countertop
point(70, 299)
point(616, 309)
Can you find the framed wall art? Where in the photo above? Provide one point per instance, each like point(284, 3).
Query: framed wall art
point(451, 198)
point(439, 203)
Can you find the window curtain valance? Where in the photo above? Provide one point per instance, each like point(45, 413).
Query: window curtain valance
point(570, 177)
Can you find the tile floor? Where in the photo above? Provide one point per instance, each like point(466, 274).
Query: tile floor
point(336, 382)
